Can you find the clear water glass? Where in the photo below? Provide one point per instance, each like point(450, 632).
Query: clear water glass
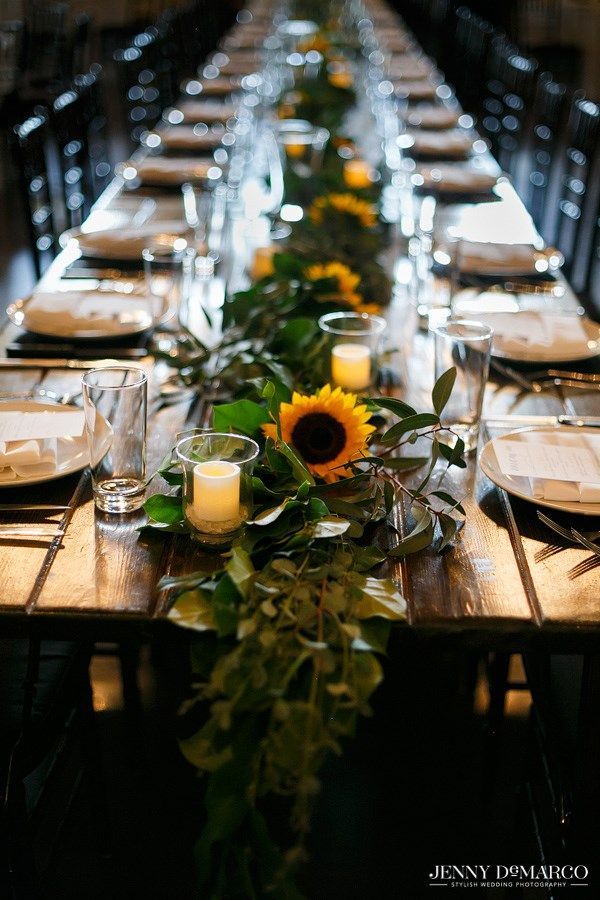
point(168, 270)
point(465, 345)
point(115, 405)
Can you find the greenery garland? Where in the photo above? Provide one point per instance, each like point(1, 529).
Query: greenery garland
point(290, 622)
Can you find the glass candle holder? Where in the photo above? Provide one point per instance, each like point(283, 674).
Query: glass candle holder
point(354, 348)
point(303, 145)
point(217, 485)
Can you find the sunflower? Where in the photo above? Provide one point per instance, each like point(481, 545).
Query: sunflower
point(347, 204)
point(327, 429)
point(347, 282)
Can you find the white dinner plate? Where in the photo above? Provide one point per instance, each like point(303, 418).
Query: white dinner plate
point(73, 453)
point(111, 315)
point(521, 487)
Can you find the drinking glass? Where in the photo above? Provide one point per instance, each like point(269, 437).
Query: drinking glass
point(303, 144)
point(465, 345)
point(168, 270)
point(354, 342)
point(217, 484)
point(115, 406)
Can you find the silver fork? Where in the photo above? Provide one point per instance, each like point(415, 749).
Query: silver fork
point(546, 378)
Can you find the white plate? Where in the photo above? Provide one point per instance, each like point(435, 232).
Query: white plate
point(131, 314)
point(73, 454)
point(521, 487)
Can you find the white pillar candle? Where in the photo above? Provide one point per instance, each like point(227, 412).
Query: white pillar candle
point(351, 366)
point(216, 491)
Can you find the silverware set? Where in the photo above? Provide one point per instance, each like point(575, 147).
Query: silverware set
point(543, 379)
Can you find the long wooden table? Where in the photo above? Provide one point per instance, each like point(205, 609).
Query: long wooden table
point(505, 583)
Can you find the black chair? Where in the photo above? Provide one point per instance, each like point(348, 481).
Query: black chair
point(577, 211)
point(511, 90)
point(549, 114)
point(46, 43)
point(70, 132)
point(89, 88)
point(139, 85)
point(11, 48)
point(473, 37)
point(45, 701)
point(31, 139)
point(492, 107)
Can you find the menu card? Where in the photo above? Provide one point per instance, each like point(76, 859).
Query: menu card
point(22, 426)
point(571, 460)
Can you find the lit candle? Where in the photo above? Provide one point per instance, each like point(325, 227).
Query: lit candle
point(341, 79)
point(357, 173)
point(351, 366)
point(216, 492)
point(262, 264)
point(294, 149)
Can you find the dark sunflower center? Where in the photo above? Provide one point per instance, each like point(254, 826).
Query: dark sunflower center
point(319, 437)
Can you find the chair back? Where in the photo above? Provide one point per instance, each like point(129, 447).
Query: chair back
point(11, 44)
point(550, 110)
point(89, 88)
point(47, 42)
point(579, 191)
point(473, 37)
point(70, 132)
point(31, 138)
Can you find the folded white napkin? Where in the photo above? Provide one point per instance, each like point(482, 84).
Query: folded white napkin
point(431, 116)
point(183, 137)
point(409, 67)
point(571, 491)
point(415, 90)
point(159, 170)
point(64, 314)
point(207, 111)
point(442, 143)
point(218, 87)
point(456, 179)
point(127, 243)
point(27, 458)
point(497, 259)
point(518, 332)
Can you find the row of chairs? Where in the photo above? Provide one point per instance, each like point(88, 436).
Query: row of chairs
point(61, 150)
point(546, 135)
point(45, 693)
point(61, 154)
point(543, 133)
point(40, 56)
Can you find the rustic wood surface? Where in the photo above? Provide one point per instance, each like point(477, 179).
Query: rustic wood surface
point(506, 579)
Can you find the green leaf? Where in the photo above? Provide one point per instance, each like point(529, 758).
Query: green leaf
point(449, 528)
point(268, 516)
point(193, 609)
point(299, 469)
point(410, 423)
point(398, 407)
point(454, 454)
point(379, 597)
point(405, 463)
point(374, 635)
point(329, 527)
point(164, 508)
point(240, 569)
point(225, 601)
point(242, 416)
point(449, 499)
point(442, 390)
point(419, 538)
point(366, 558)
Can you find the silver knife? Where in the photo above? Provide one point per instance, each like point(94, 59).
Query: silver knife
point(28, 531)
point(16, 363)
point(574, 421)
point(19, 507)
